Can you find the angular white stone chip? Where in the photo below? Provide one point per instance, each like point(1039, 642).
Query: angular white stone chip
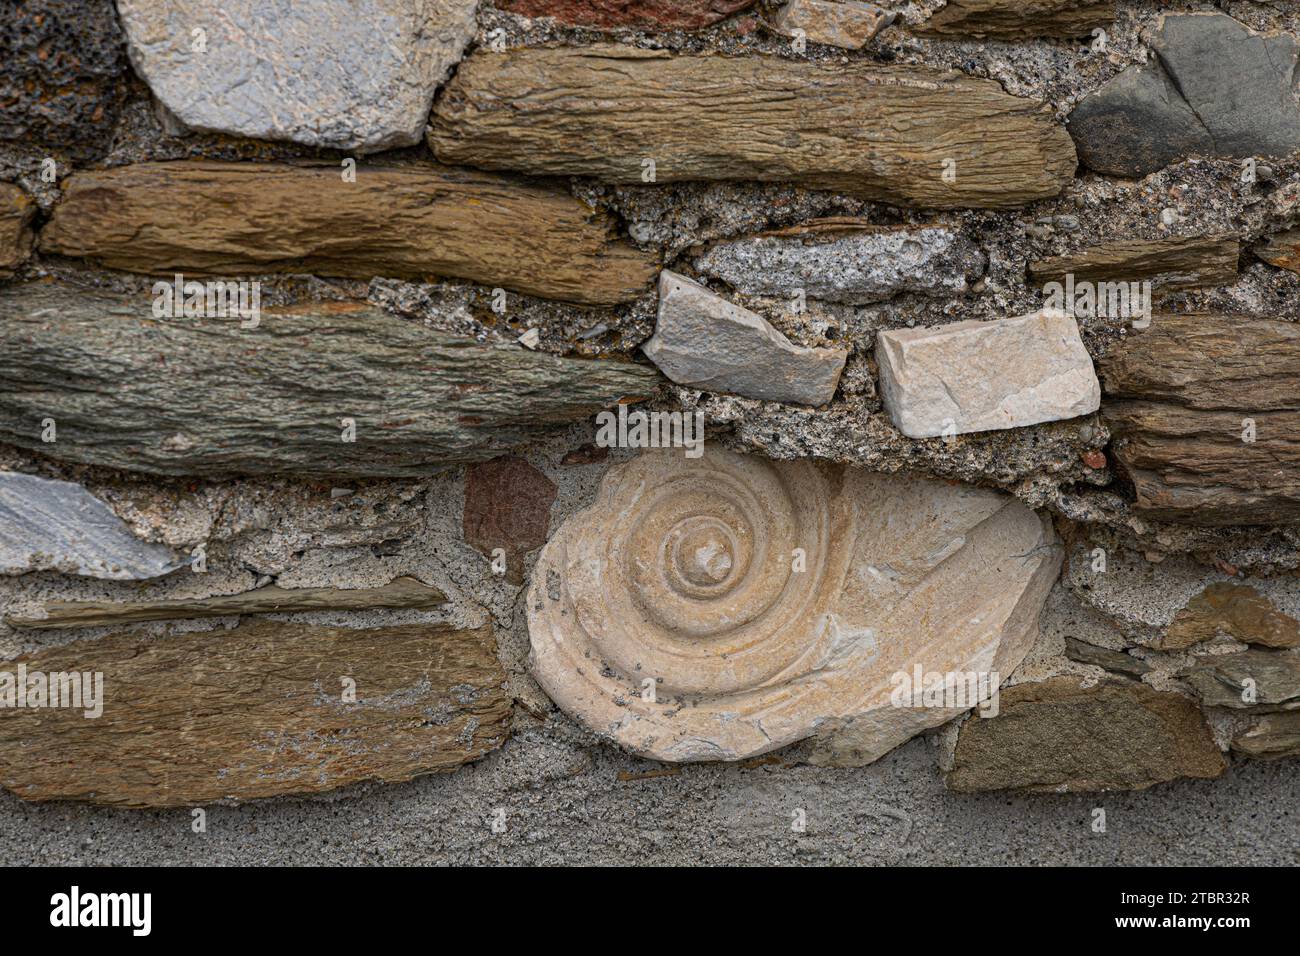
point(983, 376)
point(706, 342)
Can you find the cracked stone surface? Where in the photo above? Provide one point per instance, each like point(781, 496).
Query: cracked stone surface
point(979, 376)
point(1215, 89)
point(347, 74)
point(723, 607)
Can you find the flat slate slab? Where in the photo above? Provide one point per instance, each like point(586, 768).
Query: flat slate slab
point(346, 74)
point(706, 342)
point(412, 222)
point(980, 376)
point(908, 135)
point(48, 525)
point(278, 399)
point(1170, 264)
point(1017, 19)
point(257, 711)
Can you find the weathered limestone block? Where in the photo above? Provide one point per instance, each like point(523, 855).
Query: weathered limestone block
point(979, 376)
point(722, 607)
point(257, 711)
point(507, 506)
point(1168, 263)
point(637, 14)
point(61, 62)
point(1276, 735)
point(411, 222)
point(844, 23)
point(843, 261)
point(17, 210)
point(1018, 19)
point(1248, 680)
point(1237, 610)
point(1215, 89)
point(339, 389)
point(877, 132)
point(347, 74)
point(706, 342)
point(1281, 249)
point(399, 593)
point(1060, 736)
point(1184, 400)
point(48, 525)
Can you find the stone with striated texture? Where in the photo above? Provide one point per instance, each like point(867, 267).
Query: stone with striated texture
point(706, 342)
point(1275, 736)
point(345, 74)
point(257, 711)
point(1281, 249)
point(1017, 19)
point(17, 210)
point(1215, 89)
point(48, 525)
point(125, 389)
point(1169, 264)
point(886, 133)
point(844, 23)
point(507, 506)
point(412, 222)
point(1085, 653)
point(399, 593)
point(1180, 398)
point(845, 261)
point(722, 607)
point(1236, 610)
point(1248, 680)
point(636, 14)
point(1062, 736)
point(979, 376)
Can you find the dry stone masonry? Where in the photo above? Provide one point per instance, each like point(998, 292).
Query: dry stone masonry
point(615, 386)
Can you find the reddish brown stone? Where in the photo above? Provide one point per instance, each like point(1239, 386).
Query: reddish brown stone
point(642, 14)
point(1093, 458)
point(586, 455)
point(507, 506)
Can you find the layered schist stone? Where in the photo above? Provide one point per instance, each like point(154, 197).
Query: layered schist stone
point(722, 607)
point(1017, 19)
point(401, 593)
point(347, 74)
point(339, 389)
point(1205, 411)
point(904, 134)
point(1235, 610)
point(847, 261)
point(1281, 249)
point(415, 222)
point(1169, 264)
point(706, 342)
point(1064, 735)
point(263, 710)
point(48, 525)
point(1257, 680)
point(844, 23)
point(980, 376)
point(1215, 89)
point(1275, 736)
point(637, 14)
point(17, 210)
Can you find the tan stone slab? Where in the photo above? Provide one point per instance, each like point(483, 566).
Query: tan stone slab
point(415, 222)
point(1236, 610)
point(1018, 19)
point(888, 133)
point(722, 607)
point(844, 23)
point(17, 210)
point(257, 711)
point(1275, 736)
point(1170, 264)
point(1281, 249)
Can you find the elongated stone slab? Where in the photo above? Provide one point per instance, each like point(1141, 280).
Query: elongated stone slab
point(722, 607)
point(262, 710)
point(1205, 410)
point(1237, 610)
point(1062, 736)
point(408, 222)
point(1281, 249)
point(1248, 680)
point(347, 74)
point(706, 342)
point(980, 376)
point(17, 210)
point(846, 24)
point(847, 262)
point(638, 14)
point(1275, 736)
point(903, 134)
point(1169, 263)
point(48, 525)
point(1018, 19)
point(340, 389)
point(400, 593)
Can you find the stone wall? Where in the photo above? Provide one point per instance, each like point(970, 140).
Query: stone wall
point(332, 335)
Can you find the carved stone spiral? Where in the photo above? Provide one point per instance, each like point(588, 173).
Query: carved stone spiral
point(717, 608)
